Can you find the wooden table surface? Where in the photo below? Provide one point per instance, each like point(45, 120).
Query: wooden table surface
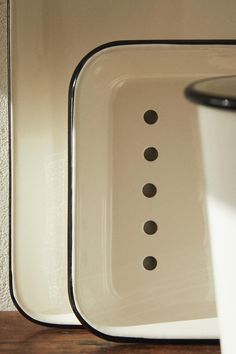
point(20, 336)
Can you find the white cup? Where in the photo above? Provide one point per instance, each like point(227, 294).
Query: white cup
point(217, 121)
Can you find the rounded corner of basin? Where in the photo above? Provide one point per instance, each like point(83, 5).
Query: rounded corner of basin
point(82, 320)
point(30, 317)
point(93, 330)
point(88, 56)
point(100, 48)
point(79, 67)
point(18, 306)
point(71, 295)
point(13, 295)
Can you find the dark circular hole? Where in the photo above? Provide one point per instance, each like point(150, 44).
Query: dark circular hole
point(150, 227)
point(149, 190)
point(150, 116)
point(150, 154)
point(150, 263)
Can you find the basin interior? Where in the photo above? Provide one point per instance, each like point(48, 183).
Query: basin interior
point(125, 272)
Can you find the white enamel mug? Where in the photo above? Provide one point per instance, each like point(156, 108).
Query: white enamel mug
point(217, 122)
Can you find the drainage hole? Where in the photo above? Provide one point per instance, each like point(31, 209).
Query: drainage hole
point(151, 154)
point(149, 263)
point(149, 190)
point(150, 116)
point(150, 227)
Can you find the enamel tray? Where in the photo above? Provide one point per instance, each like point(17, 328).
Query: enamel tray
point(139, 256)
point(38, 179)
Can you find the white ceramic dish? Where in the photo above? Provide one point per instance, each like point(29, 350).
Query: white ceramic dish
point(110, 289)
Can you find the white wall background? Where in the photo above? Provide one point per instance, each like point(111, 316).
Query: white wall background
point(5, 300)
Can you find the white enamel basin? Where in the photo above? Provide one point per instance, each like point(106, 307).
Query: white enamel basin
point(110, 288)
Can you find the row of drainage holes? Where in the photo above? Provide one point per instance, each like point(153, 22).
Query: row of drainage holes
point(149, 190)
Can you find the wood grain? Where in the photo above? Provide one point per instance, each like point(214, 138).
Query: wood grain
point(19, 336)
